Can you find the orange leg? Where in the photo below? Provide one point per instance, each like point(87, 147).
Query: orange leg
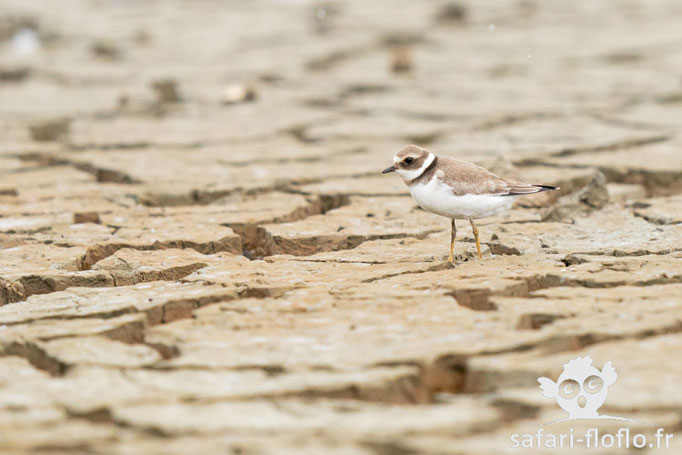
point(453, 233)
point(478, 243)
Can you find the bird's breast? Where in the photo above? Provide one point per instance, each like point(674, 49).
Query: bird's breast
point(437, 197)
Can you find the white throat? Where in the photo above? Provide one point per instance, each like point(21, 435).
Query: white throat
point(410, 174)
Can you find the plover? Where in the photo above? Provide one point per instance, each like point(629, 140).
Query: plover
point(456, 189)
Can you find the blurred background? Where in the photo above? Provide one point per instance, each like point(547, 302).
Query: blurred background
point(198, 251)
point(513, 79)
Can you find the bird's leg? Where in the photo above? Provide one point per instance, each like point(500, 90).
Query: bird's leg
point(478, 243)
point(453, 233)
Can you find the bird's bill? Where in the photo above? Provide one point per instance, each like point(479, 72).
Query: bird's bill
point(389, 169)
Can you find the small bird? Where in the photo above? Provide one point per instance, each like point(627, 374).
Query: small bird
point(457, 189)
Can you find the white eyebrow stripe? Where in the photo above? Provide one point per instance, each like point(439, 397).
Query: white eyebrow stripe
point(395, 159)
point(409, 175)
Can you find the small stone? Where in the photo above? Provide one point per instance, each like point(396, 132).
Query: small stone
point(123, 101)
point(166, 91)
point(14, 74)
point(238, 93)
point(86, 217)
point(535, 321)
point(50, 130)
point(452, 13)
point(106, 50)
point(401, 60)
point(593, 196)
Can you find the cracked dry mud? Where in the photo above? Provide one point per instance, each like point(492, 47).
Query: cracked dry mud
point(199, 255)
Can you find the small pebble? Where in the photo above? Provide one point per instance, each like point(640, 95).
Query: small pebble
point(166, 91)
point(86, 217)
point(401, 60)
point(237, 93)
point(50, 130)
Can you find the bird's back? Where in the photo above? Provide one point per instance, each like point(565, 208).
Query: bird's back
point(467, 178)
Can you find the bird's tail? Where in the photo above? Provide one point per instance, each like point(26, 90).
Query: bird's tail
point(541, 188)
point(521, 189)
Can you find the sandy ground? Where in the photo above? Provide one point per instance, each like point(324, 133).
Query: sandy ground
point(198, 253)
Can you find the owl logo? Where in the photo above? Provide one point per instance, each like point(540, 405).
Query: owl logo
point(581, 389)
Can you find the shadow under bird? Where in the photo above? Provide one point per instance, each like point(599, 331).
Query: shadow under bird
point(456, 189)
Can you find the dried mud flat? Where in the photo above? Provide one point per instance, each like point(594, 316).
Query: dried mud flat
point(199, 255)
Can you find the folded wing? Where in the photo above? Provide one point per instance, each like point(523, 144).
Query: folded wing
point(467, 178)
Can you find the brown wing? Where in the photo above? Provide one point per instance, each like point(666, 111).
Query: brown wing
point(467, 178)
point(520, 188)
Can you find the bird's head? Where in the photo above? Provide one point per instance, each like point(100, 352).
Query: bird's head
point(410, 162)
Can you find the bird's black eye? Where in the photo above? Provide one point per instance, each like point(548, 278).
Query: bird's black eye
point(408, 160)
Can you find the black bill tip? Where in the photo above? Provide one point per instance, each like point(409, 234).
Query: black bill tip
point(388, 169)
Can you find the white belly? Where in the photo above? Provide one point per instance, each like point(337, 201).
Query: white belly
point(436, 197)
